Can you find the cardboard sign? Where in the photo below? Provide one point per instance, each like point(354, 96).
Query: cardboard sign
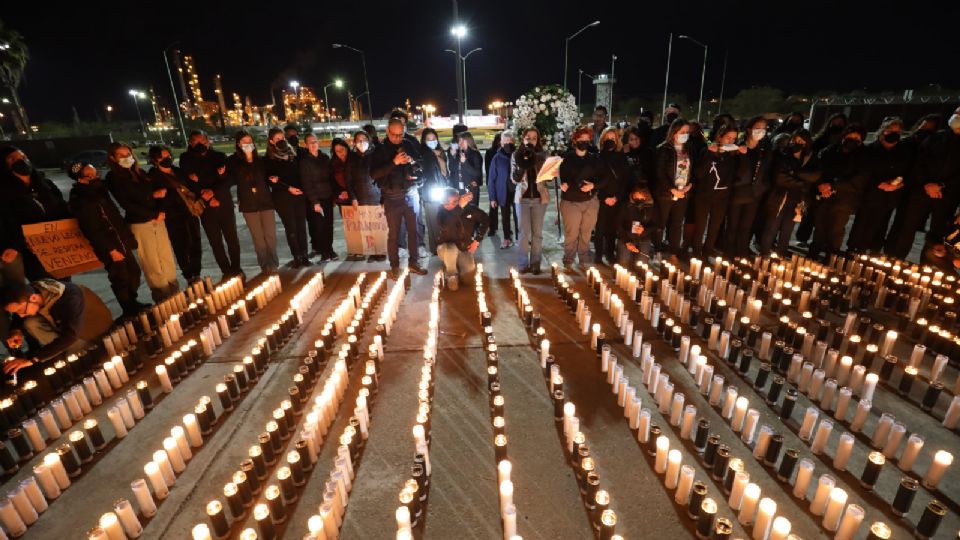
point(365, 229)
point(61, 247)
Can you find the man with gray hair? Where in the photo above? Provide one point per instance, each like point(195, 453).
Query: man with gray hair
point(501, 188)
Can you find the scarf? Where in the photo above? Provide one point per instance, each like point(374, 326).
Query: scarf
point(50, 290)
point(286, 154)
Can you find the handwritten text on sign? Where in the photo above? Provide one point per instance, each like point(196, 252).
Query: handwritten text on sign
point(61, 247)
point(365, 229)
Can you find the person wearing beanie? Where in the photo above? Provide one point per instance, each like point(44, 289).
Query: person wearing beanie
point(108, 234)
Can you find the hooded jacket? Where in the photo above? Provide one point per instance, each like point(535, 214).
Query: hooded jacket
point(253, 194)
point(470, 170)
point(361, 186)
point(499, 184)
point(206, 166)
point(315, 175)
point(100, 220)
point(792, 179)
point(395, 181)
point(753, 173)
point(939, 162)
point(461, 226)
point(633, 215)
point(842, 169)
point(133, 190)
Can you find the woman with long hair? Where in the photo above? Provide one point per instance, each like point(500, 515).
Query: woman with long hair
point(750, 185)
point(580, 182)
point(288, 198)
point(715, 171)
point(672, 182)
point(795, 170)
point(466, 166)
point(314, 167)
point(531, 198)
point(618, 181)
point(247, 170)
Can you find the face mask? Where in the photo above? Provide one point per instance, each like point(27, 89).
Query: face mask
point(248, 148)
point(836, 128)
point(683, 138)
point(95, 182)
point(609, 145)
point(582, 145)
point(793, 148)
point(22, 167)
point(199, 147)
point(892, 137)
point(362, 146)
point(127, 162)
point(281, 144)
point(850, 144)
point(166, 162)
point(954, 121)
point(509, 148)
point(758, 134)
point(294, 140)
point(432, 144)
point(671, 117)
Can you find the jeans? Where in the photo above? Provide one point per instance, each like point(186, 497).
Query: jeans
point(293, 214)
point(530, 231)
point(401, 212)
point(156, 258)
point(263, 231)
point(220, 224)
point(413, 199)
point(455, 260)
point(579, 219)
point(184, 233)
point(321, 227)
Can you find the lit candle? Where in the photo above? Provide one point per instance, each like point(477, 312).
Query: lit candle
point(781, 528)
point(684, 485)
point(820, 499)
point(941, 461)
point(748, 505)
point(835, 504)
point(673, 469)
point(663, 448)
point(128, 518)
point(144, 500)
point(765, 514)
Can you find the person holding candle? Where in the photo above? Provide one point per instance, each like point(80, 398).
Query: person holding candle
point(795, 169)
point(141, 199)
point(460, 228)
point(108, 234)
point(246, 169)
point(580, 181)
point(637, 227)
point(672, 183)
point(531, 199)
point(51, 313)
point(839, 191)
point(182, 207)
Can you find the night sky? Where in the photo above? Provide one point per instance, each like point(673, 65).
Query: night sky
point(88, 55)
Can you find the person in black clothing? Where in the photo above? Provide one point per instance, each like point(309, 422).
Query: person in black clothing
point(750, 186)
point(644, 128)
point(672, 182)
point(28, 197)
point(51, 313)
point(434, 176)
point(935, 191)
point(832, 132)
point(639, 156)
point(314, 168)
point(599, 125)
point(791, 124)
point(284, 175)
point(398, 176)
point(371, 131)
point(487, 159)
point(580, 182)
point(182, 208)
point(466, 166)
point(636, 227)
point(206, 170)
point(794, 170)
point(617, 180)
point(247, 170)
point(364, 188)
point(714, 173)
point(501, 190)
point(292, 134)
point(659, 134)
point(109, 236)
point(460, 228)
point(839, 191)
point(884, 165)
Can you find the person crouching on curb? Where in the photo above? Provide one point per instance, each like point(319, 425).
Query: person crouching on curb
point(459, 231)
point(635, 227)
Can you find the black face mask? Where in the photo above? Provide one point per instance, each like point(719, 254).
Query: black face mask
point(509, 148)
point(921, 134)
point(95, 182)
point(530, 146)
point(166, 162)
point(293, 140)
point(793, 148)
point(671, 117)
point(892, 137)
point(22, 167)
point(282, 144)
point(850, 144)
point(199, 147)
point(582, 145)
point(836, 128)
point(609, 145)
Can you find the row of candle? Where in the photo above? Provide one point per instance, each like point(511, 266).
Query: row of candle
point(416, 489)
point(744, 496)
point(596, 500)
point(178, 449)
point(744, 421)
point(326, 523)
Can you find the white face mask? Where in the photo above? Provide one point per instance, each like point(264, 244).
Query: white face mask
point(954, 121)
point(432, 144)
point(248, 148)
point(127, 162)
point(758, 134)
point(362, 146)
point(682, 138)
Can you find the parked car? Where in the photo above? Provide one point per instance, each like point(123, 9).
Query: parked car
point(97, 158)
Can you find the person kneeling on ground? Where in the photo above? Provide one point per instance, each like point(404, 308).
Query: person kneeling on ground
point(635, 227)
point(51, 313)
point(459, 231)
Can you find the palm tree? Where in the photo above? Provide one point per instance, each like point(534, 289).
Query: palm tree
point(13, 60)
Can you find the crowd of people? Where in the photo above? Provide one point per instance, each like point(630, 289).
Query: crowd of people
point(633, 192)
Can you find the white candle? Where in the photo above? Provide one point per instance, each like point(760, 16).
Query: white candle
point(165, 383)
point(52, 462)
point(740, 481)
point(503, 471)
point(11, 519)
point(844, 450)
point(941, 461)
point(820, 499)
point(739, 414)
point(843, 404)
point(952, 418)
point(910, 453)
point(729, 402)
point(673, 469)
point(893, 441)
point(193, 430)
point(148, 508)
point(46, 480)
point(860, 417)
point(804, 475)
point(882, 431)
point(128, 518)
point(809, 420)
point(157, 481)
point(174, 455)
point(506, 494)
point(750, 427)
point(850, 523)
point(823, 435)
point(509, 522)
point(765, 514)
point(835, 504)
point(22, 505)
point(781, 528)
point(663, 448)
point(166, 469)
point(689, 418)
point(113, 413)
point(748, 504)
point(684, 485)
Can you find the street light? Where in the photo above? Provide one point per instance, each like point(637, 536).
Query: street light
point(703, 75)
point(138, 94)
point(326, 102)
point(566, 50)
point(580, 86)
point(173, 89)
point(459, 31)
point(366, 81)
point(463, 65)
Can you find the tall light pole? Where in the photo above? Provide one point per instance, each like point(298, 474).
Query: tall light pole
point(366, 81)
point(459, 31)
point(326, 102)
point(173, 89)
point(566, 50)
point(613, 68)
point(463, 65)
point(723, 80)
point(703, 75)
point(666, 81)
point(138, 94)
point(296, 95)
point(580, 86)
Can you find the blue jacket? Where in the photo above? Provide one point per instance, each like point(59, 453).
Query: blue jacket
point(499, 184)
